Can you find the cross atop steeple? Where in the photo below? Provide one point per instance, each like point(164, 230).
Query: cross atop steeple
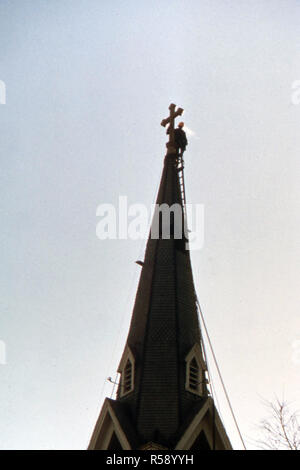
point(171, 120)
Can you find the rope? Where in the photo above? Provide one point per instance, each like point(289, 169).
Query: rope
point(212, 388)
point(219, 373)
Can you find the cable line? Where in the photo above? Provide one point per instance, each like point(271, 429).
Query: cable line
point(219, 373)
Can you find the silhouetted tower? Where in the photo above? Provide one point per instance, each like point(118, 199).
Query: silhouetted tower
point(163, 400)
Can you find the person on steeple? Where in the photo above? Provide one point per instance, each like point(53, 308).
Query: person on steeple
point(180, 138)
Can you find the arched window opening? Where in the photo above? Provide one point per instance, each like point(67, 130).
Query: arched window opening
point(126, 370)
point(196, 381)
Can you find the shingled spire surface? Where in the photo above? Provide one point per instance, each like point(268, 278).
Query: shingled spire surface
point(164, 328)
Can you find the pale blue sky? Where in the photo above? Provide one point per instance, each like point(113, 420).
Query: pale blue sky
point(87, 84)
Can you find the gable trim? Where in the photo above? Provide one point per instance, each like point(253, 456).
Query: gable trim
point(107, 423)
point(196, 426)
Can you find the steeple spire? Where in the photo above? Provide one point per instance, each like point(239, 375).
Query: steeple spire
point(162, 399)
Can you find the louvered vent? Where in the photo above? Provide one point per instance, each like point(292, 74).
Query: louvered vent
point(194, 375)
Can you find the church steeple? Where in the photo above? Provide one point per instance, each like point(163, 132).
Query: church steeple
point(163, 399)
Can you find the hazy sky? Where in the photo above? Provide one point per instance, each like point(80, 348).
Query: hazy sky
point(87, 85)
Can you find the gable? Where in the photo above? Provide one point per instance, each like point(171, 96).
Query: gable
point(108, 433)
point(205, 429)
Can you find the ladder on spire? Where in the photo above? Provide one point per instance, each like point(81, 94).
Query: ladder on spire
point(180, 167)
